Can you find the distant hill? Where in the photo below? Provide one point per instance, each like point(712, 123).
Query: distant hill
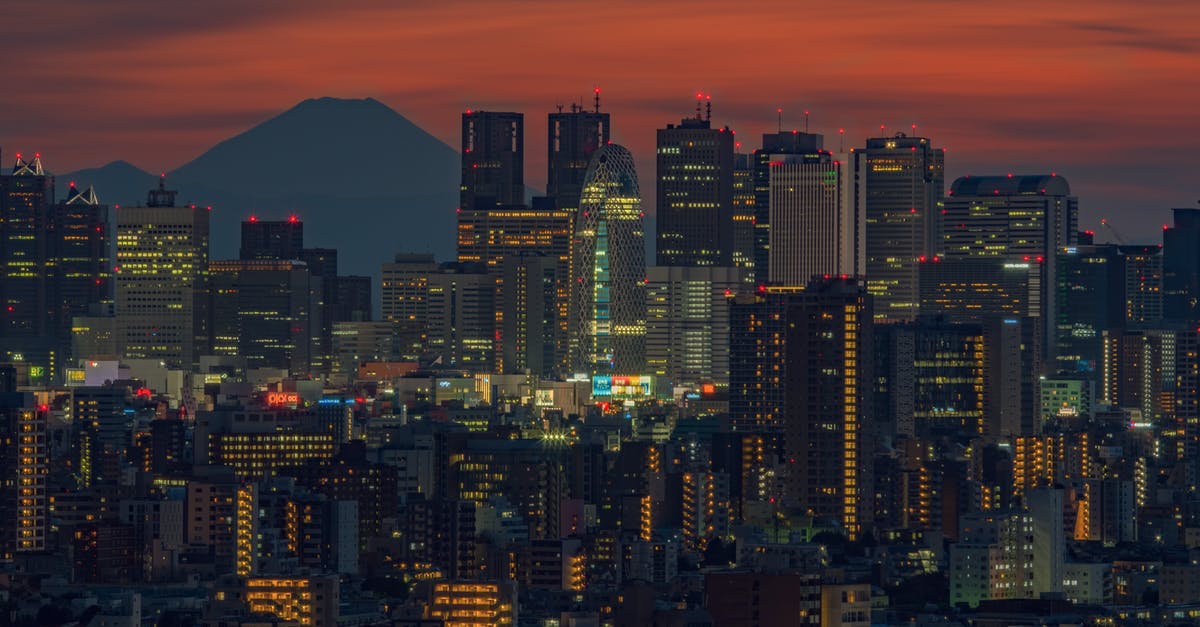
point(118, 183)
point(364, 180)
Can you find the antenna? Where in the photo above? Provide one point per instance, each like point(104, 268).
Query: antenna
point(708, 110)
point(560, 107)
point(779, 113)
point(841, 140)
point(806, 121)
point(597, 100)
point(699, 97)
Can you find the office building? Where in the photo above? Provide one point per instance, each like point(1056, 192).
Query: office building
point(1181, 267)
point(815, 225)
point(694, 223)
point(162, 280)
point(572, 137)
point(57, 266)
point(25, 467)
point(272, 239)
point(493, 159)
point(268, 312)
point(497, 237)
point(744, 227)
point(827, 421)
point(1014, 219)
point(687, 324)
point(461, 309)
point(903, 182)
point(775, 146)
point(1090, 290)
point(1143, 285)
point(608, 298)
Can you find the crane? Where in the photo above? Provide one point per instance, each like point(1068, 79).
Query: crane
point(1112, 229)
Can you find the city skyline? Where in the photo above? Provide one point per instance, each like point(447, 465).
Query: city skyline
point(1085, 96)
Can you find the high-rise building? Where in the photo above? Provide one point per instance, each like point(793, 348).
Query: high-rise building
point(1143, 285)
point(775, 146)
point(816, 228)
point(1089, 288)
point(827, 408)
point(404, 288)
point(490, 237)
point(532, 315)
point(272, 239)
point(757, 366)
point(24, 468)
point(742, 256)
point(903, 183)
point(267, 312)
point(694, 224)
point(608, 298)
point(1181, 267)
point(1013, 220)
point(57, 265)
point(26, 198)
point(572, 138)
point(162, 279)
point(687, 324)
point(461, 306)
point(493, 159)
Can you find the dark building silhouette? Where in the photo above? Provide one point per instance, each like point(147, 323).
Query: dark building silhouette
point(695, 194)
point(572, 138)
point(493, 159)
point(1181, 267)
point(56, 265)
point(272, 239)
point(828, 430)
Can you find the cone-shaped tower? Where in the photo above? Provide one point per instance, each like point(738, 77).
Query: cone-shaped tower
point(609, 295)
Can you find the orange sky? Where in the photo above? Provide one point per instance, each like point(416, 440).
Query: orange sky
point(1104, 92)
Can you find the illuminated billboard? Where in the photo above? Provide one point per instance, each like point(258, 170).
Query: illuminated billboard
point(620, 388)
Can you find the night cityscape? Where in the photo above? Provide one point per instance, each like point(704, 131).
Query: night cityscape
point(719, 348)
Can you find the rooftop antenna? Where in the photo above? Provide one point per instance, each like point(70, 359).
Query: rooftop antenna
point(560, 107)
point(708, 110)
point(779, 115)
point(699, 97)
point(841, 140)
point(806, 121)
point(597, 90)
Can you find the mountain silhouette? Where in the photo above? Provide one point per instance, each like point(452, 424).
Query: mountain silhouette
point(364, 180)
point(118, 183)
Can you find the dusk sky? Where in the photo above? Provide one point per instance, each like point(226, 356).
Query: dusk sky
point(1103, 92)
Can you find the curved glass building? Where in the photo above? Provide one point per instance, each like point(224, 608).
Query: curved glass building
point(609, 296)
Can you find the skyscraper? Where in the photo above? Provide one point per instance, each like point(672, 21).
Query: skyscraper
point(775, 147)
point(572, 138)
point(272, 239)
point(24, 466)
point(493, 159)
point(903, 182)
point(827, 404)
point(1012, 220)
point(162, 279)
point(1181, 267)
point(267, 312)
point(490, 236)
point(608, 300)
point(56, 266)
point(743, 214)
point(695, 194)
point(687, 324)
point(26, 197)
point(757, 364)
point(816, 226)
